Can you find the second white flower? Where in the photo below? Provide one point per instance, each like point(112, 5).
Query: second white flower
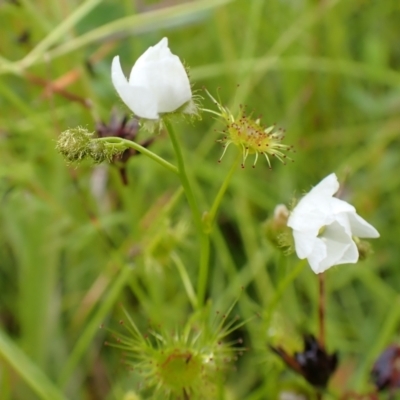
point(324, 226)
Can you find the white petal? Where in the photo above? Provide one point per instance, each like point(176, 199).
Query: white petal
point(311, 213)
point(327, 187)
point(161, 49)
point(164, 75)
point(140, 100)
point(343, 220)
point(168, 82)
point(340, 247)
point(304, 243)
point(153, 53)
point(318, 254)
point(340, 206)
point(361, 228)
point(314, 210)
point(350, 256)
point(176, 88)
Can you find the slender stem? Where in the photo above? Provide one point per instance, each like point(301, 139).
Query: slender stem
point(280, 290)
point(321, 318)
point(214, 208)
point(211, 112)
point(321, 309)
point(203, 269)
point(185, 280)
point(133, 145)
point(183, 176)
point(204, 239)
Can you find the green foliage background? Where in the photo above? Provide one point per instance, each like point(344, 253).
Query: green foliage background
point(325, 70)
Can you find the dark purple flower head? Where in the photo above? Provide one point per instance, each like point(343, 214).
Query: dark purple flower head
point(313, 363)
point(386, 370)
point(120, 126)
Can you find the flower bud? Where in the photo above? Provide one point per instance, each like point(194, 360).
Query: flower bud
point(78, 144)
point(74, 143)
point(364, 249)
point(277, 231)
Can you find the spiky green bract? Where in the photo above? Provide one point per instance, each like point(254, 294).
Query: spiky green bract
point(250, 136)
point(186, 363)
point(78, 144)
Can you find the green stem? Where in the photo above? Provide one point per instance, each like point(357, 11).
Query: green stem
point(133, 145)
point(183, 176)
point(203, 269)
point(214, 208)
point(280, 290)
point(185, 280)
point(204, 238)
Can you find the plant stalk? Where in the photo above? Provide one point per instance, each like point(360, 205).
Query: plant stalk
point(204, 239)
point(214, 208)
point(321, 309)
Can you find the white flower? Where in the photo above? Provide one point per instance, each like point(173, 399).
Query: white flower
point(158, 82)
point(323, 227)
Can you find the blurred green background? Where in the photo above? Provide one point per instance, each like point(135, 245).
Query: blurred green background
point(76, 242)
